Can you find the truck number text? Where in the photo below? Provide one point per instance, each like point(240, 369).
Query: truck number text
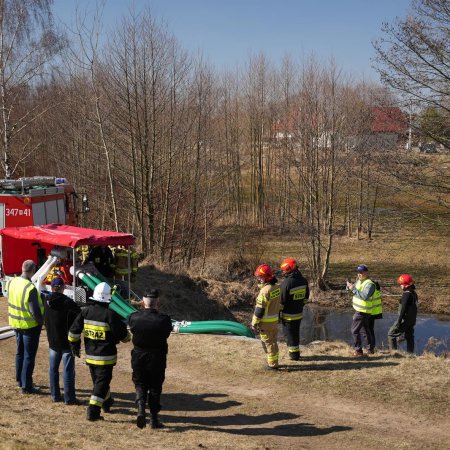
point(17, 212)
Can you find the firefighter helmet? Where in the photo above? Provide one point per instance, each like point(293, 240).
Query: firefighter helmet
point(102, 293)
point(289, 265)
point(405, 280)
point(264, 271)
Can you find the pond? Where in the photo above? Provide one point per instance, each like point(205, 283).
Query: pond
point(431, 332)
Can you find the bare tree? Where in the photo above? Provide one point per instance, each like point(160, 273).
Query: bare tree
point(28, 42)
point(413, 56)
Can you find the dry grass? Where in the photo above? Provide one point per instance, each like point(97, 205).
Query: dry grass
point(218, 396)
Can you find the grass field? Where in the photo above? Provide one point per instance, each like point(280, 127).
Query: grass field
point(218, 396)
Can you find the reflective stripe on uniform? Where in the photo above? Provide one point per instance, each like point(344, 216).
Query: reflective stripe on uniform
point(294, 349)
point(26, 319)
point(95, 325)
point(97, 401)
point(291, 316)
point(298, 293)
point(101, 360)
point(273, 318)
point(72, 337)
point(272, 357)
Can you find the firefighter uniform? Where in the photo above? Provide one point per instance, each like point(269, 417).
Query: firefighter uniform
point(294, 295)
point(102, 329)
point(266, 317)
point(150, 330)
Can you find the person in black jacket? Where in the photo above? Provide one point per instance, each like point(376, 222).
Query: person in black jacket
point(150, 330)
point(60, 312)
point(407, 313)
point(102, 329)
point(103, 259)
point(294, 295)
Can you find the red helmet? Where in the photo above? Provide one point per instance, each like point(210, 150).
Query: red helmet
point(264, 271)
point(405, 280)
point(289, 265)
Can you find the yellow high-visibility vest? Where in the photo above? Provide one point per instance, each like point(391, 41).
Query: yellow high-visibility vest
point(364, 306)
point(19, 315)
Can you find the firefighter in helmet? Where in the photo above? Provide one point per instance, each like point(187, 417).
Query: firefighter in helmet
point(266, 315)
point(294, 295)
point(102, 329)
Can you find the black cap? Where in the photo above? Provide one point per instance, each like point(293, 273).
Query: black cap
point(152, 293)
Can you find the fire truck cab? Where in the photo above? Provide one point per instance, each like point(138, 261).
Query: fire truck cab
point(37, 201)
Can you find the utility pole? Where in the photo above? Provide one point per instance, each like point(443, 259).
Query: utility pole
point(409, 143)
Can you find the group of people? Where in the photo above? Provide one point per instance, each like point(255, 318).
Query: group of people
point(366, 302)
point(102, 329)
point(285, 303)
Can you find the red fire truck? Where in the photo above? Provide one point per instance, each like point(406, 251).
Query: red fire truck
point(38, 201)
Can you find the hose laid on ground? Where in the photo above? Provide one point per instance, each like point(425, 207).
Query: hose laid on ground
point(212, 326)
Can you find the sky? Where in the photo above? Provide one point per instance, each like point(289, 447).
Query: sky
point(227, 32)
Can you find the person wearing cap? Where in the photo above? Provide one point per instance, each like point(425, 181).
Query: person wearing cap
point(363, 290)
point(60, 312)
point(407, 314)
point(294, 295)
point(150, 330)
point(25, 316)
point(102, 328)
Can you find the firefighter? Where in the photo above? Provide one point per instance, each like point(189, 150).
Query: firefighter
point(266, 316)
point(294, 295)
point(407, 314)
point(363, 290)
point(103, 259)
point(150, 330)
point(102, 329)
point(26, 316)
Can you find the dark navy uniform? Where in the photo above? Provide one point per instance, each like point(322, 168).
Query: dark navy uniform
point(150, 330)
point(102, 329)
point(294, 295)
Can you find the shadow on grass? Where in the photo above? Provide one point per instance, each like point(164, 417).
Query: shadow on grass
point(235, 419)
point(285, 430)
point(348, 365)
point(196, 402)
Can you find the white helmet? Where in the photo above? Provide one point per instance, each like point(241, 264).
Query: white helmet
point(102, 293)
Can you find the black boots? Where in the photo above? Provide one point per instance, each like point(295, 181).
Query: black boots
point(140, 419)
point(155, 422)
point(93, 413)
point(107, 404)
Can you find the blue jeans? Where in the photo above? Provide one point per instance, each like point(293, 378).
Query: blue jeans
point(27, 345)
point(68, 374)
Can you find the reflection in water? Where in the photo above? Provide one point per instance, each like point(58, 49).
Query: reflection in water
point(322, 324)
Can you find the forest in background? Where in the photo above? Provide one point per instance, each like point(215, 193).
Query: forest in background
point(180, 155)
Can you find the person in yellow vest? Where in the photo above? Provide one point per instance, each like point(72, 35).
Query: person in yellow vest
point(26, 316)
point(363, 290)
point(266, 315)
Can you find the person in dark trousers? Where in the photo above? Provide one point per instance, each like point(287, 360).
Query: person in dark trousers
point(25, 316)
point(150, 330)
point(60, 312)
point(294, 295)
point(407, 314)
point(102, 329)
point(375, 314)
point(363, 290)
point(103, 259)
